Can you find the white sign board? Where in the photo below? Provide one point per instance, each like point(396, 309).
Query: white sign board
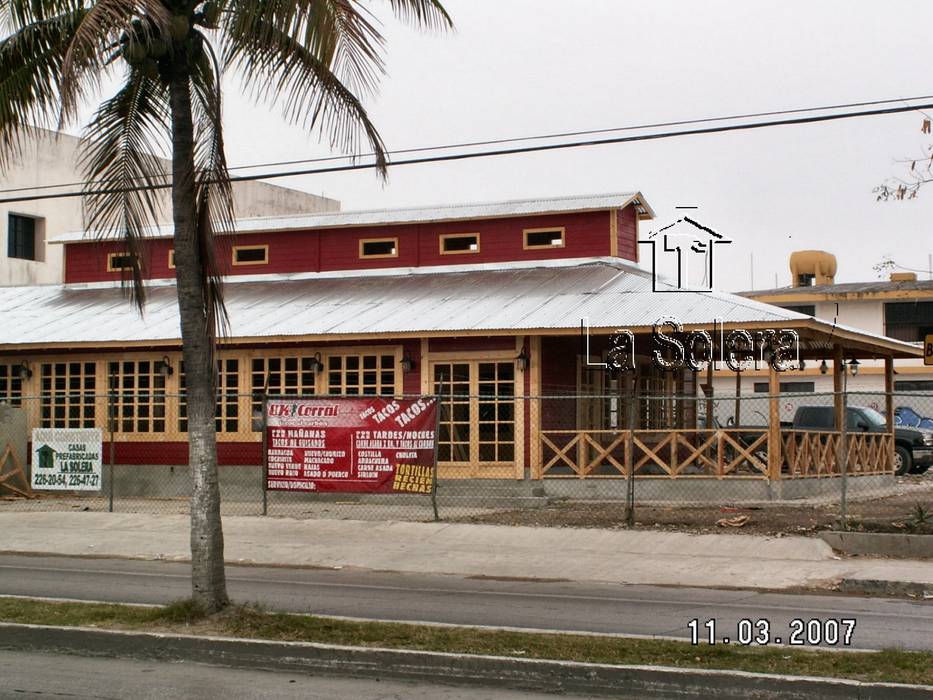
point(66, 459)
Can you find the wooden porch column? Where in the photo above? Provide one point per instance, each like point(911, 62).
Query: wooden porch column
point(534, 409)
point(838, 369)
point(889, 391)
point(889, 406)
point(774, 424)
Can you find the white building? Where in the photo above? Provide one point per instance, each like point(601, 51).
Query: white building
point(900, 307)
point(50, 158)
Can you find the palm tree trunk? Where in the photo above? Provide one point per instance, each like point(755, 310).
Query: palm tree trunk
point(208, 582)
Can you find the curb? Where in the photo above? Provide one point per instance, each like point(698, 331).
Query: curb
point(890, 589)
point(880, 544)
point(456, 669)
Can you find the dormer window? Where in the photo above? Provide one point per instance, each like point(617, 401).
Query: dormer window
point(378, 248)
point(454, 243)
point(544, 238)
point(250, 254)
point(121, 262)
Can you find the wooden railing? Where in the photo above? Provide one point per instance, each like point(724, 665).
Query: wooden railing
point(718, 453)
point(661, 453)
point(814, 453)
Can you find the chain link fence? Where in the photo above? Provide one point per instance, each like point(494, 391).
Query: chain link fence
point(699, 463)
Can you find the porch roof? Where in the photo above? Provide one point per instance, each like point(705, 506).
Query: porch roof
point(541, 297)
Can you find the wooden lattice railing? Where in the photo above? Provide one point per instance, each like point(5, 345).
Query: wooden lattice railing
point(718, 453)
point(808, 453)
point(662, 453)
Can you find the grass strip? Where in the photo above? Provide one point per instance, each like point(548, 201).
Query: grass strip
point(249, 621)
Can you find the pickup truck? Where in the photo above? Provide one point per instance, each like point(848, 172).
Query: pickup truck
point(913, 447)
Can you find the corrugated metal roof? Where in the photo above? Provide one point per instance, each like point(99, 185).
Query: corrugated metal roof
point(447, 212)
point(843, 288)
point(509, 297)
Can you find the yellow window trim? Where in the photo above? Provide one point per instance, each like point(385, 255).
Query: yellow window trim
point(171, 258)
point(364, 241)
point(525, 232)
point(111, 256)
point(446, 236)
point(264, 248)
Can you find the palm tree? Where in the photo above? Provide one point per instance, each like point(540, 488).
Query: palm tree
point(312, 57)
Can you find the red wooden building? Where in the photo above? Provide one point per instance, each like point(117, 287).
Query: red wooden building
point(479, 303)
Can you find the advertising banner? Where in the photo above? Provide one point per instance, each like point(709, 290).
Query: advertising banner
point(66, 459)
point(359, 444)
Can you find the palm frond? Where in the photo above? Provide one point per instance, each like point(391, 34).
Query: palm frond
point(30, 73)
point(86, 59)
point(283, 69)
point(427, 14)
point(17, 14)
point(120, 167)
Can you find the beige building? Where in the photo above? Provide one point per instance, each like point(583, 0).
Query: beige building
point(899, 307)
point(51, 158)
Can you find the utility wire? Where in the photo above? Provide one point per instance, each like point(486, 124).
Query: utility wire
point(501, 152)
point(539, 137)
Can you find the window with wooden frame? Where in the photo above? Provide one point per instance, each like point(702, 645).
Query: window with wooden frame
point(535, 238)
point(11, 384)
point(367, 374)
point(457, 243)
point(477, 420)
point(171, 259)
point(138, 401)
point(67, 392)
point(250, 254)
point(378, 248)
point(121, 262)
point(228, 405)
point(281, 376)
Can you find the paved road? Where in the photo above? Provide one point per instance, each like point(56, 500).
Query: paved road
point(602, 608)
point(31, 675)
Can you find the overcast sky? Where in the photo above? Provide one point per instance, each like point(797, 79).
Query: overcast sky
point(521, 67)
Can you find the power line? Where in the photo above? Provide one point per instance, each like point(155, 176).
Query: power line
point(539, 137)
point(502, 152)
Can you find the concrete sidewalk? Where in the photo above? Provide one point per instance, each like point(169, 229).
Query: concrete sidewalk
point(616, 556)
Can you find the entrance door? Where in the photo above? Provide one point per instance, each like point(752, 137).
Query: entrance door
point(477, 422)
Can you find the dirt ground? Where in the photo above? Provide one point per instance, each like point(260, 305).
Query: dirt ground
point(893, 513)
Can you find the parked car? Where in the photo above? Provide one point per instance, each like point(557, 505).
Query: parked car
point(913, 447)
point(909, 418)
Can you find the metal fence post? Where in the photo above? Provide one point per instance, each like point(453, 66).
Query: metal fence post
point(110, 424)
point(844, 458)
point(265, 458)
point(437, 430)
point(630, 451)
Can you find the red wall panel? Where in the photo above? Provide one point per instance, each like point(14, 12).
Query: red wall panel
point(586, 235)
point(628, 233)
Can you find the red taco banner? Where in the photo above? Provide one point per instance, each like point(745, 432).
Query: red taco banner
point(370, 445)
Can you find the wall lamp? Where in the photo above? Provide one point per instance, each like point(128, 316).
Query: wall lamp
point(522, 360)
point(407, 364)
point(824, 368)
point(25, 372)
point(164, 367)
point(316, 364)
point(853, 366)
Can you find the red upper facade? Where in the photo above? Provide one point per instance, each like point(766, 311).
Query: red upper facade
point(347, 241)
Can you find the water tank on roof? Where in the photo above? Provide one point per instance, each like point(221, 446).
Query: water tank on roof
point(809, 267)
